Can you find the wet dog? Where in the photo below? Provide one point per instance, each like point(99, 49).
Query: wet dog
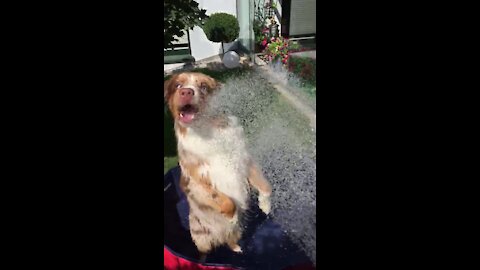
point(217, 171)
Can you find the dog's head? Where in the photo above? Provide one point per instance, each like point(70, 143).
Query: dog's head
point(187, 95)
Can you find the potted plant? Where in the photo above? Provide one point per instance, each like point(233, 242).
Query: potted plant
point(278, 50)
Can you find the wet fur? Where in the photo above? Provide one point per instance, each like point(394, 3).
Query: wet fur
point(217, 172)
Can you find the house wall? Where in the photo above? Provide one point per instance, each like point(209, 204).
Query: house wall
point(202, 47)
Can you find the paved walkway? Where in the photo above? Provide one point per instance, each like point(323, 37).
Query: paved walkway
point(214, 62)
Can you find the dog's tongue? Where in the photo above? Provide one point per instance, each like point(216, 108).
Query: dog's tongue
point(187, 117)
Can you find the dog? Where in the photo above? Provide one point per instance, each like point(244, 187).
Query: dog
point(217, 172)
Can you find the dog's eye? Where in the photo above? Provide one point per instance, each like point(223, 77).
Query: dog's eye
point(178, 85)
point(203, 88)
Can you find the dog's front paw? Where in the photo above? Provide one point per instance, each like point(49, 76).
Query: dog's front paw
point(237, 249)
point(264, 203)
point(233, 219)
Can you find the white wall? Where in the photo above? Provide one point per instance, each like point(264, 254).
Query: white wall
point(202, 47)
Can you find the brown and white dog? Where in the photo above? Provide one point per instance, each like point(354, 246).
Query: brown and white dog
point(217, 171)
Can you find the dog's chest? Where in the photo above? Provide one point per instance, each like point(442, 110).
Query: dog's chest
point(206, 142)
point(224, 159)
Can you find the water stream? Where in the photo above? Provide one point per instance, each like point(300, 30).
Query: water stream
point(281, 140)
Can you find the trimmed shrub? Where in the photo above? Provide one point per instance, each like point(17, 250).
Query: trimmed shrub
point(221, 27)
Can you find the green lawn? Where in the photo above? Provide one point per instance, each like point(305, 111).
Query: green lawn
point(220, 75)
point(305, 69)
point(170, 158)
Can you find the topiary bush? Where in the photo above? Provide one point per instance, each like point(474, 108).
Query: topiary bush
point(221, 27)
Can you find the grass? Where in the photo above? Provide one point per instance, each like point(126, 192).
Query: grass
point(170, 158)
point(169, 162)
point(305, 69)
point(220, 75)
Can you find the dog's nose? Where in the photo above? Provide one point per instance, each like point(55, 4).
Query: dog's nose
point(186, 92)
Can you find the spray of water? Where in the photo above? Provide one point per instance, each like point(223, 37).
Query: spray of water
point(282, 75)
point(282, 142)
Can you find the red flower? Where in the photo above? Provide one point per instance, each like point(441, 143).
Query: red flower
point(264, 42)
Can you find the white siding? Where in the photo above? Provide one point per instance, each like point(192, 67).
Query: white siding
point(202, 47)
point(302, 17)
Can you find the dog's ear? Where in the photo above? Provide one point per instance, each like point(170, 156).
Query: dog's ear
point(168, 86)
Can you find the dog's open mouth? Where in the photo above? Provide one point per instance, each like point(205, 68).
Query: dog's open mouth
point(187, 113)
